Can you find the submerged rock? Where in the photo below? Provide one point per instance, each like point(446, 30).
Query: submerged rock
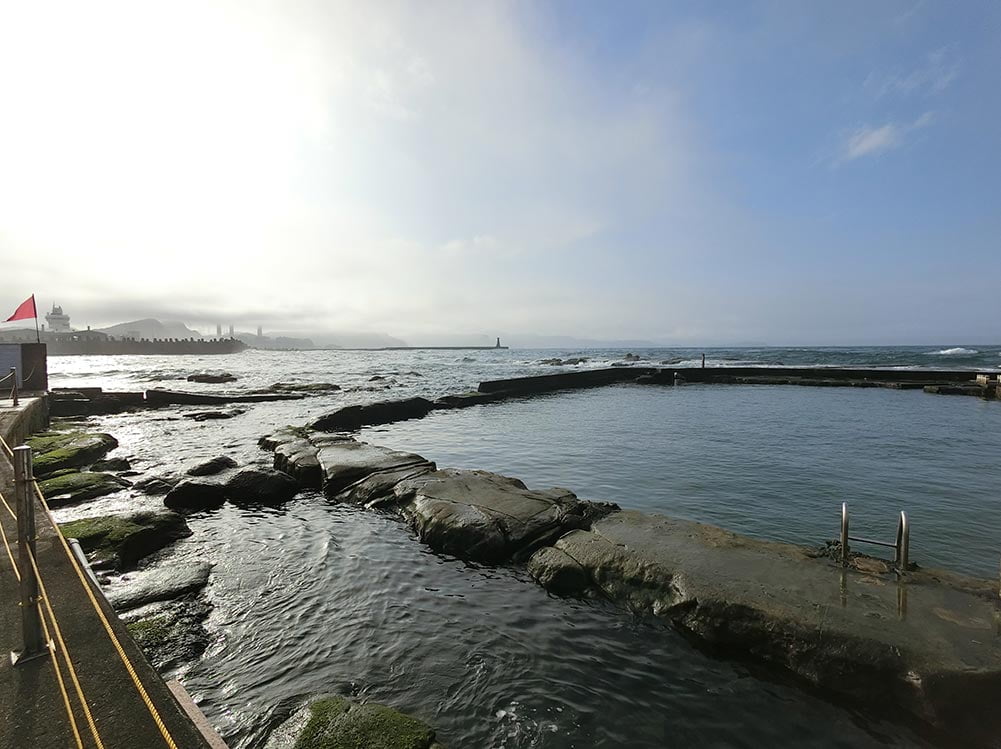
point(78, 486)
point(56, 450)
point(112, 464)
point(304, 387)
point(122, 540)
point(381, 412)
point(212, 467)
point(337, 723)
point(212, 378)
point(215, 415)
point(195, 495)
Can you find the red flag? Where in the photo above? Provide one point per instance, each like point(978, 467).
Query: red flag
point(25, 310)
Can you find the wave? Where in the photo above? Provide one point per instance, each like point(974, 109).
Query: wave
point(958, 351)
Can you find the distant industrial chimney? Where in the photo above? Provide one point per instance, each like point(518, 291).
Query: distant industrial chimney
point(218, 330)
point(230, 331)
point(260, 331)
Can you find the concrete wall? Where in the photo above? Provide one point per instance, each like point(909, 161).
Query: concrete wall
point(16, 424)
point(29, 361)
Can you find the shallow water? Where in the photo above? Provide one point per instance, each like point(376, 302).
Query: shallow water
point(315, 598)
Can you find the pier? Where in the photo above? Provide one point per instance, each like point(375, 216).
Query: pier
point(77, 679)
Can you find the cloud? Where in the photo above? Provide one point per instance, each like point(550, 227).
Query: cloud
point(935, 74)
point(874, 141)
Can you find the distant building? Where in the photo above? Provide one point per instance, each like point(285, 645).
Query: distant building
point(260, 331)
point(230, 331)
point(218, 330)
point(57, 321)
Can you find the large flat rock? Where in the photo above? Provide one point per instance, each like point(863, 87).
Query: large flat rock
point(484, 516)
point(345, 462)
point(927, 642)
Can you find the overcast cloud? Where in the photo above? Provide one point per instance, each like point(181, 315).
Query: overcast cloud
point(425, 169)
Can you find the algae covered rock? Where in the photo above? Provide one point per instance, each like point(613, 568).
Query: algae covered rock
point(122, 540)
point(337, 723)
point(170, 633)
point(56, 450)
point(80, 485)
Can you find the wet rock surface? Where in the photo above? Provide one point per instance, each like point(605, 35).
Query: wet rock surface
point(191, 494)
point(215, 415)
point(166, 582)
point(212, 467)
point(120, 541)
point(484, 516)
point(260, 486)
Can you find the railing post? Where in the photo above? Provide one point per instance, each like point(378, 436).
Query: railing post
point(844, 534)
point(13, 377)
point(31, 620)
point(903, 542)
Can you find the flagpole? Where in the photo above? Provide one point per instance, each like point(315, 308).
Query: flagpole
point(34, 306)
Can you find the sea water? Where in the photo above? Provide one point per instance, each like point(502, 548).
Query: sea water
point(315, 597)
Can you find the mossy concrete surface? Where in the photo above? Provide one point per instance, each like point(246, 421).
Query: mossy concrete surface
point(121, 541)
point(76, 487)
point(56, 450)
point(337, 723)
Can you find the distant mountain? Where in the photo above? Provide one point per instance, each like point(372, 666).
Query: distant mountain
point(150, 328)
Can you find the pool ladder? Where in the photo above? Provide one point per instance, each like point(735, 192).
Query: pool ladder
point(901, 546)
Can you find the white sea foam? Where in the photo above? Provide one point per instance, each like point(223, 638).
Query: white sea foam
point(958, 351)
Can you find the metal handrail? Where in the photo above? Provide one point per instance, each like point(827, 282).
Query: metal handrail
point(902, 544)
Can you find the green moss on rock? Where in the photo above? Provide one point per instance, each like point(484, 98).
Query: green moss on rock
point(337, 723)
point(78, 486)
point(121, 541)
point(150, 634)
point(58, 450)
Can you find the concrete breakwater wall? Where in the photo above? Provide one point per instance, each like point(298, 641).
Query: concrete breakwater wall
point(16, 424)
point(920, 642)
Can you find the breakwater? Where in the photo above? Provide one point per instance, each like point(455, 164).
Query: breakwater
point(65, 344)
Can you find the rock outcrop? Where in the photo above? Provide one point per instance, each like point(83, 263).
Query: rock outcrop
point(351, 418)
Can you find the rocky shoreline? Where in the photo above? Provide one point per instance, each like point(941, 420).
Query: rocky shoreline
point(918, 642)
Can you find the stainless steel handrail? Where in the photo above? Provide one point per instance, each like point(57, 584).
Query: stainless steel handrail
point(902, 544)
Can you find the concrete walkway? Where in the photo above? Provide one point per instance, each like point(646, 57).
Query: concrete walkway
point(32, 705)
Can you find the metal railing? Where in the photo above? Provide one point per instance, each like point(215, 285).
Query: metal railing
point(12, 376)
point(901, 545)
point(34, 641)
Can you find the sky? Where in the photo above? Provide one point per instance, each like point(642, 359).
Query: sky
point(687, 173)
